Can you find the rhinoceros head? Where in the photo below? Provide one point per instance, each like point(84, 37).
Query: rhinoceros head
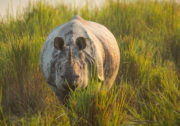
point(70, 67)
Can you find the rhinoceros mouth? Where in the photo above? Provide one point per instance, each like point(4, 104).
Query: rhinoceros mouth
point(53, 85)
point(67, 87)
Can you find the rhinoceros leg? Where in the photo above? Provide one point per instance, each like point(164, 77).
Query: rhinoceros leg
point(60, 94)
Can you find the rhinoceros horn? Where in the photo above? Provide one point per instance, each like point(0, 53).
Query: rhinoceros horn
point(70, 56)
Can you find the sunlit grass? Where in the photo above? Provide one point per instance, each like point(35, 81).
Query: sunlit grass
point(146, 91)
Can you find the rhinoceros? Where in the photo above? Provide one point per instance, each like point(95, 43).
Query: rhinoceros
point(72, 50)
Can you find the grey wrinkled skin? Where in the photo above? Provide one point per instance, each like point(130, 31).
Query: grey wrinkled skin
point(68, 65)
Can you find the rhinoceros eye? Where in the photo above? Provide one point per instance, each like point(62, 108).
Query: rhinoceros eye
point(81, 43)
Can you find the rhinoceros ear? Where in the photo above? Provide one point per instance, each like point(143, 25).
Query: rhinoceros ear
point(59, 43)
point(81, 43)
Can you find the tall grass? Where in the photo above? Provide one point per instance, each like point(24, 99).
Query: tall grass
point(147, 88)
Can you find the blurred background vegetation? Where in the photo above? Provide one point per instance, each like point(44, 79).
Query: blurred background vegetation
point(147, 88)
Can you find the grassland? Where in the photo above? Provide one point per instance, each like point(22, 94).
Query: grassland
point(147, 88)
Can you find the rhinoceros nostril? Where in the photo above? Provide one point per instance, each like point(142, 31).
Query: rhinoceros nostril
point(62, 76)
point(76, 76)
